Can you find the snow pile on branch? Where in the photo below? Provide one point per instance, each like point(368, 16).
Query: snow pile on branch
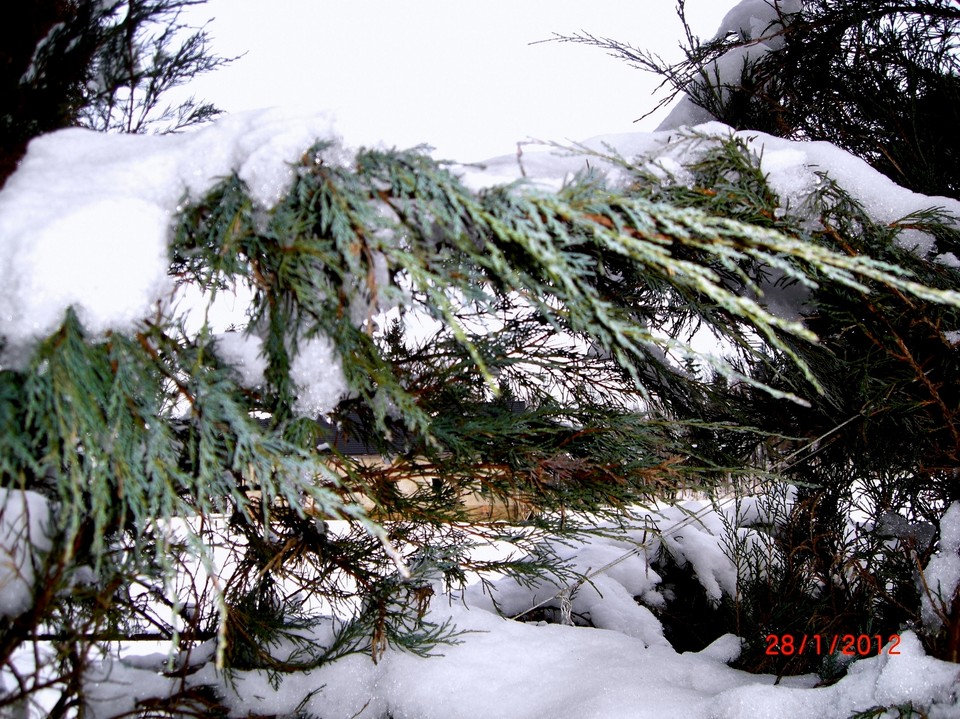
point(243, 352)
point(793, 169)
point(85, 220)
point(758, 21)
point(318, 376)
point(316, 370)
point(620, 589)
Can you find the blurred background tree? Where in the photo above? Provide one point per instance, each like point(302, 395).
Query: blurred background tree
point(879, 79)
point(103, 65)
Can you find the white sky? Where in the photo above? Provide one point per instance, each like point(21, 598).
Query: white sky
point(460, 77)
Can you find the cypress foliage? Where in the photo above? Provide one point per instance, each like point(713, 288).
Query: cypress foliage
point(879, 441)
point(878, 79)
point(193, 508)
point(177, 486)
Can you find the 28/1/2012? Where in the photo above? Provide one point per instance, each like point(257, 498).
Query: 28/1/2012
point(787, 645)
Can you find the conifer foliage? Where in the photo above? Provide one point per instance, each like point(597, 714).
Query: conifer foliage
point(186, 497)
point(877, 442)
point(879, 79)
point(191, 505)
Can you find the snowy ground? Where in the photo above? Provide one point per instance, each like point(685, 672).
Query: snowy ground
point(522, 671)
point(506, 668)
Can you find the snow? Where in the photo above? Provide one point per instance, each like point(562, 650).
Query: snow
point(756, 19)
point(749, 20)
point(607, 598)
point(318, 376)
point(941, 576)
point(85, 220)
point(506, 668)
point(113, 689)
point(793, 171)
point(791, 167)
point(243, 352)
point(24, 520)
point(882, 680)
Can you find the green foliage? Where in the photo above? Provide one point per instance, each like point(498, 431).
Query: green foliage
point(145, 51)
point(879, 79)
point(880, 440)
point(556, 385)
point(553, 382)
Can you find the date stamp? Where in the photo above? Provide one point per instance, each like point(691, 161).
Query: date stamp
point(852, 645)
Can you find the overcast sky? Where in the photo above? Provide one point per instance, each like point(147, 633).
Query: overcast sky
point(461, 77)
